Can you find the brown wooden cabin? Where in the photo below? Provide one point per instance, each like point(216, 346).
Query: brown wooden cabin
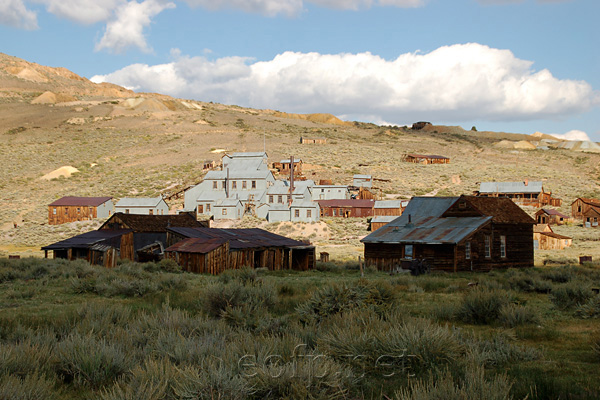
point(582, 205)
point(544, 238)
point(550, 217)
point(524, 193)
point(426, 159)
point(591, 218)
point(71, 209)
point(149, 230)
point(465, 233)
point(304, 140)
point(96, 247)
point(346, 208)
point(379, 221)
point(283, 166)
point(389, 207)
point(211, 250)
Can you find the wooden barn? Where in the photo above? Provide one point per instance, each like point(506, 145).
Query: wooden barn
point(544, 238)
point(304, 140)
point(582, 205)
point(149, 231)
point(426, 159)
point(346, 208)
point(524, 193)
point(97, 247)
point(550, 217)
point(211, 250)
point(72, 209)
point(465, 233)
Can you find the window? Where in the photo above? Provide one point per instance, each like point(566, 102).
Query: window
point(334, 212)
point(224, 211)
point(151, 212)
point(234, 184)
point(208, 208)
point(270, 198)
point(78, 210)
point(244, 185)
point(214, 184)
point(280, 199)
point(408, 251)
point(67, 211)
point(579, 209)
point(253, 184)
point(127, 211)
point(297, 213)
point(488, 247)
point(308, 213)
point(223, 184)
point(503, 246)
point(54, 211)
point(468, 250)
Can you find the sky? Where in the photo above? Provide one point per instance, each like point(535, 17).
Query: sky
point(503, 65)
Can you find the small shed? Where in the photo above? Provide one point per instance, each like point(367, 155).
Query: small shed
point(389, 207)
point(544, 238)
point(96, 247)
point(305, 140)
point(228, 209)
point(304, 211)
point(142, 205)
point(581, 205)
point(365, 181)
point(380, 221)
point(284, 166)
point(550, 217)
point(254, 248)
point(426, 159)
point(72, 209)
point(330, 192)
point(591, 217)
point(346, 208)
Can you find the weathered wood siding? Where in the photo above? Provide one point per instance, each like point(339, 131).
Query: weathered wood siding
point(579, 208)
point(66, 214)
point(546, 242)
point(387, 211)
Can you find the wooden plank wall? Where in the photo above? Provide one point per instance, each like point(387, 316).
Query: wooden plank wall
point(65, 214)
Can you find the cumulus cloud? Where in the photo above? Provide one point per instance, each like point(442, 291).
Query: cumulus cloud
point(127, 28)
point(83, 11)
point(452, 83)
point(14, 13)
point(572, 135)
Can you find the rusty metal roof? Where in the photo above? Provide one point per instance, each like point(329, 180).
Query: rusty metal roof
point(591, 202)
point(88, 239)
point(431, 156)
point(150, 223)
point(241, 238)
point(550, 211)
point(197, 245)
point(80, 201)
point(511, 187)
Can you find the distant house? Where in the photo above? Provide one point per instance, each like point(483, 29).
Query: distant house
point(426, 159)
point(591, 218)
point(544, 238)
point(304, 211)
point(389, 207)
point(346, 208)
point(365, 181)
point(550, 217)
point(71, 209)
point(148, 230)
point(210, 250)
point(582, 208)
point(142, 205)
point(379, 221)
point(463, 233)
point(330, 192)
point(228, 209)
point(524, 193)
point(304, 140)
point(284, 166)
point(102, 247)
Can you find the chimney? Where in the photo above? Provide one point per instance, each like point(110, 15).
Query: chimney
point(227, 184)
point(526, 182)
point(291, 180)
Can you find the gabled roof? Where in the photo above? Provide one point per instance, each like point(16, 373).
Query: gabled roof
point(238, 174)
point(550, 211)
point(432, 156)
point(359, 176)
point(241, 238)
point(591, 202)
point(227, 203)
point(384, 218)
point(346, 203)
point(388, 204)
point(304, 204)
point(151, 223)
point(80, 201)
point(503, 210)
point(197, 245)
point(511, 187)
point(88, 239)
point(139, 202)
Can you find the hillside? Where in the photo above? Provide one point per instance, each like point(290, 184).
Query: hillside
point(126, 144)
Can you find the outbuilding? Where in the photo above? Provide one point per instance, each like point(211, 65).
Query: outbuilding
point(72, 209)
point(550, 217)
point(142, 205)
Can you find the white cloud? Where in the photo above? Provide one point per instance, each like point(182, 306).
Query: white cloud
point(572, 135)
point(453, 83)
point(127, 29)
point(265, 7)
point(14, 13)
point(83, 11)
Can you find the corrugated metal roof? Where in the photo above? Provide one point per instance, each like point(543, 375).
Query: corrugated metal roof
point(197, 245)
point(250, 154)
point(139, 202)
point(80, 201)
point(227, 203)
point(87, 240)
point(550, 211)
point(554, 235)
point(504, 210)
point(432, 156)
point(510, 187)
point(304, 204)
point(211, 195)
point(591, 202)
point(330, 187)
point(151, 223)
point(242, 238)
point(238, 174)
point(388, 204)
point(359, 176)
point(384, 218)
point(346, 203)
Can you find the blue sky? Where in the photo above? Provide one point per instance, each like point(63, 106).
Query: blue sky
point(511, 65)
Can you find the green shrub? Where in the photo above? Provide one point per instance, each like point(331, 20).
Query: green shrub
point(88, 361)
point(481, 306)
point(559, 274)
point(591, 309)
point(25, 358)
point(499, 350)
point(245, 276)
point(211, 381)
point(31, 387)
point(570, 294)
point(512, 315)
point(218, 298)
point(474, 385)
